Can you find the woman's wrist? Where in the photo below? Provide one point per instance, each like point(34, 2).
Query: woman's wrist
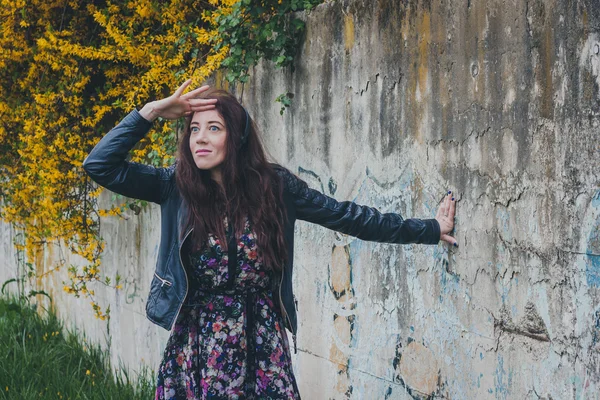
point(148, 112)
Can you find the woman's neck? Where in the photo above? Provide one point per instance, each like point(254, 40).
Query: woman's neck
point(215, 174)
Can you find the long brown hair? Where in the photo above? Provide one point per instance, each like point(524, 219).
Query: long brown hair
point(251, 187)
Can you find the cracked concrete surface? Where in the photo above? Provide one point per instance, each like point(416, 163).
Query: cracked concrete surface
point(496, 100)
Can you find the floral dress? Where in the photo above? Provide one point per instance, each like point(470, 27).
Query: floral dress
point(229, 341)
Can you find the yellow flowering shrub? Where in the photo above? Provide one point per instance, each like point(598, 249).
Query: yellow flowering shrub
point(68, 71)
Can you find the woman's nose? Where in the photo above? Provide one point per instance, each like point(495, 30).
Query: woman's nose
point(201, 136)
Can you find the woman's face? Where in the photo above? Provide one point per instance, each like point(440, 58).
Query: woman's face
point(208, 136)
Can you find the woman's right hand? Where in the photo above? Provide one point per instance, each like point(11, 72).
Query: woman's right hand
point(178, 104)
point(445, 217)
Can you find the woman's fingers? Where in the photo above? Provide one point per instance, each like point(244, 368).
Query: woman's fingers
point(195, 92)
point(202, 105)
point(445, 218)
point(181, 88)
point(443, 206)
point(202, 102)
point(450, 240)
point(197, 105)
point(452, 208)
point(203, 108)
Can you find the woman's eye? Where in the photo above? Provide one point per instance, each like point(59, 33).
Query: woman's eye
point(194, 129)
point(214, 128)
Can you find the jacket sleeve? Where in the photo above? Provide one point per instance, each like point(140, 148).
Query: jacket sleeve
point(107, 166)
point(363, 222)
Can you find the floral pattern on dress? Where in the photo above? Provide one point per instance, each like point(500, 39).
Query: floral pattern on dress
point(228, 344)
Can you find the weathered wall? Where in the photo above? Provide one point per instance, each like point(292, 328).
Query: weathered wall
point(395, 103)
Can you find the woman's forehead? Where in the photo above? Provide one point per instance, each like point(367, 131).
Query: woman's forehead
point(203, 117)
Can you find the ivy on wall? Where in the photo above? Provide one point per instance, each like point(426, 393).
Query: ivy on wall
point(69, 70)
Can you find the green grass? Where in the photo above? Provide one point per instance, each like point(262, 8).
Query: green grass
point(39, 361)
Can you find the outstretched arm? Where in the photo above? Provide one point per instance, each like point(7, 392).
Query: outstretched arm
point(363, 222)
point(106, 164)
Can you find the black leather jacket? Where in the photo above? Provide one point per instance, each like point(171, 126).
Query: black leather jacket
point(107, 166)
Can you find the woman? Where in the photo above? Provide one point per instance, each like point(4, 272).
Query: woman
point(223, 280)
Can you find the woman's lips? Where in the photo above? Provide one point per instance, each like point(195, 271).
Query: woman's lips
point(203, 152)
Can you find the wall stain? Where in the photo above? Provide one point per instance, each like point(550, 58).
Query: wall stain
point(340, 284)
point(348, 32)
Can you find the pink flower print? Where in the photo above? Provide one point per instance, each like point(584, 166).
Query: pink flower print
point(212, 359)
point(204, 384)
point(276, 355)
point(262, 382)
point(180, 359)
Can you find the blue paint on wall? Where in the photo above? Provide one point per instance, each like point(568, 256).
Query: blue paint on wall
point(592, 255)
point(503, 380)
point(596, 328)
point(596, 200)
point(503, 217)
point(592, 266)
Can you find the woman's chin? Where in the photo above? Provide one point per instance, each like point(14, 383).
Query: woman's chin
point(204, 166)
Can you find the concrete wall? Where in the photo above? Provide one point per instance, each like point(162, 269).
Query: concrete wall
point(397, 102)
point(394, 104)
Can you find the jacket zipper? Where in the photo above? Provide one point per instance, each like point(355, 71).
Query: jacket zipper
point(187, 285)
point(284, 312)
point(164, 281)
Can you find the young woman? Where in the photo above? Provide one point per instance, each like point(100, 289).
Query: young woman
point(223, 280)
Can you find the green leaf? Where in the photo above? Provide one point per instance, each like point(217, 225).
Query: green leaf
point(33, 293)
point(7, 282)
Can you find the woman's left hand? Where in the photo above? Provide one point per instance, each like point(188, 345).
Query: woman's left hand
point(445, 217)
point(178, 104)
